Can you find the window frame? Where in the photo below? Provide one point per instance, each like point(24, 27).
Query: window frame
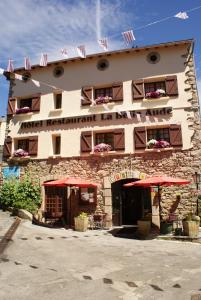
point(18, 146)
point(155, 83)
point(57, 101)
point(28, 104)
point(56, 147)
point(104, 133)
point(152, 136)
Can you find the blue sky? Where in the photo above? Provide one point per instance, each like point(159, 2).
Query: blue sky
point(31, 27)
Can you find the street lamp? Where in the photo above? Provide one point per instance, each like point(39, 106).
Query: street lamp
point(197, 180)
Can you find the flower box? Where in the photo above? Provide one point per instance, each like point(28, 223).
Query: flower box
point(101, 100)
point(20, 153)
point(23, 110)
point(102, 148)
point(155, 94)
point(157, 144)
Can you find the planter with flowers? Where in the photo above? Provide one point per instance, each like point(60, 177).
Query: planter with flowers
point(20, 155)
point(156, 94)
point(101, 100)
point(23, 110)
point(81, 222)
point(101, 148)
point(158, 145)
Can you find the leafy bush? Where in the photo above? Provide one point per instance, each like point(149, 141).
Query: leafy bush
point(23, 194)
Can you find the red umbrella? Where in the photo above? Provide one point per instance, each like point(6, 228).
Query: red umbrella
point(71, 181)
point(158, 181)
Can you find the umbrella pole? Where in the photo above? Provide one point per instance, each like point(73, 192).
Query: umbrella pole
point(159, 203)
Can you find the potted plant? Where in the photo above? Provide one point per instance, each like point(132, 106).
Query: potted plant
point(191, 225)
point(144, 225)
point(81, 222)
point(166, 227)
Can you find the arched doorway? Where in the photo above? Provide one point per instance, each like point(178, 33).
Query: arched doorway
point(129, 204)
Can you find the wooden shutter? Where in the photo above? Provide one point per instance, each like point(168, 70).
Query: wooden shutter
point(175, 135)
point(171, 85)
point(138, 89)
point(119, 139)
point(35, 102)
point(7, 149)
point(11, 106)
point(86, 141)
point(117, 91)
point(86, 96)
point(33, 145)
point(140, 137)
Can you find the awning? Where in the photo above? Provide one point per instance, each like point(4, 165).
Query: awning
point(71, 181)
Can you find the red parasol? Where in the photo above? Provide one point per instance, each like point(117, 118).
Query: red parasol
point(158, 181)
point(71, 181)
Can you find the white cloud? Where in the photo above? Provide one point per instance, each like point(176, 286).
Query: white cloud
point(30, 27)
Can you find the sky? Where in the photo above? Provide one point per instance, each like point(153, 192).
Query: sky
point(31, 27)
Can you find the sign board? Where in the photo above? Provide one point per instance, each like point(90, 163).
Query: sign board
point(11, 172)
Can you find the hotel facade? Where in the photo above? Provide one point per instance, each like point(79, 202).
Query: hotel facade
point(62, 113)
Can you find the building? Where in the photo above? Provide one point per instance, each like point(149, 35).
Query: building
point(57, 115)
point(2, 135)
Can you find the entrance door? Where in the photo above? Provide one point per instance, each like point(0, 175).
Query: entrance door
point(55, 202)
point(129, 204)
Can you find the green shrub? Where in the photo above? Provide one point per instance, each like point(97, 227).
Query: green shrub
point(23, 194)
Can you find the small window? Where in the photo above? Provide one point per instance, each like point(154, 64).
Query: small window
point(103, 92)
point(106, 138)
point(58, 71)
point(58, 101)
point(87, 196)
point(25, 103)
point(158, 134)
point(56, 145)
point(102, 64)
point(23, 144)
point(153, 57)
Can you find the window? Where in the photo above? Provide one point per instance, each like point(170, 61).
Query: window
point(106, 138)
point(56, 145)
point(166, 86)
point(103, 92)
point(114, 138)
point(23, 144)
point(158, 137)
point(154, 86)
point(25, 103)
point(87, 195)
point(112, 93)
point(158, 134)
point(58, 101)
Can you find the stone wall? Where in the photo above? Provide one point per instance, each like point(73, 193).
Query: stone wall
point(178, 163)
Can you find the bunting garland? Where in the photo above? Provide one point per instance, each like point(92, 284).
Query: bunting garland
point(81, 51)
point(43, 60)
point(27, 63)
point(10, 67)
point(128, 37)
point(103, 43)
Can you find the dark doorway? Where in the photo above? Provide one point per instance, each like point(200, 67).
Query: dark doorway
point(129, 204)
point(56, 202)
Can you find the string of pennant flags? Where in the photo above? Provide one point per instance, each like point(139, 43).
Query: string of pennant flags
point(128, 37)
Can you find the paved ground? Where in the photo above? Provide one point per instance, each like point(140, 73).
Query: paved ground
point(43, 263)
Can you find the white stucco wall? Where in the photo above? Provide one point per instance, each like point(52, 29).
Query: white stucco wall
point(2, 131)
point(79, 73)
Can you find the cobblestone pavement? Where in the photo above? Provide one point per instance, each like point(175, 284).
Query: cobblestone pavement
point(6, 221)
point(43, 263)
